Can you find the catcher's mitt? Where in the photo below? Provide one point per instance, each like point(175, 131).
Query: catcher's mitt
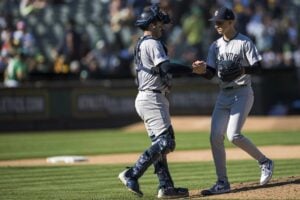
point(229, 70)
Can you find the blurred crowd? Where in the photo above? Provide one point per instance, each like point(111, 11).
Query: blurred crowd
point(95, 39)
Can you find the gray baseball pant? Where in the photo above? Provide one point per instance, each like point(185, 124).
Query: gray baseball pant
point(230, 112)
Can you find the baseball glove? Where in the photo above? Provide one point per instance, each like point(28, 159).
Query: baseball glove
point(229, 70)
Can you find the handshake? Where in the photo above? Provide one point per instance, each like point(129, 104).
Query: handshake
point(199, 67)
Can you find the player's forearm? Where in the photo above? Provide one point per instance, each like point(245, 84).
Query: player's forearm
point(174, 68)
point(254, 69)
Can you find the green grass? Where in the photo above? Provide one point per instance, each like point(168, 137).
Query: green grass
point(95, 182)
point(44, 144)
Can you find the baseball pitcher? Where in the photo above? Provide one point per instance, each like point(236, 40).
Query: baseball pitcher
point(233, 58)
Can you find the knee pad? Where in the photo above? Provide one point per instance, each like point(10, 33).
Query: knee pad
point(163, 145)
point(166, 143)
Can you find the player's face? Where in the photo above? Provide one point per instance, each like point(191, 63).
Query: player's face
point(157, 29)
point(222, 26)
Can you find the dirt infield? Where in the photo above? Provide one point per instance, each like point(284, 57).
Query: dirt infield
point(275, 152)
point(192, 123)
point(284, 188)
point(253, 123)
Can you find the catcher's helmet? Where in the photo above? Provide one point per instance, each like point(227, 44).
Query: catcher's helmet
point(151, 14)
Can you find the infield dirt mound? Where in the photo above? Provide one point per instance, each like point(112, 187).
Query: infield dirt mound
point(284, 188)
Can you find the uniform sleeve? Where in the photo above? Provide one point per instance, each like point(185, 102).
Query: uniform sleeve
point(157, 52)
point(252, 53)
point(211, 57)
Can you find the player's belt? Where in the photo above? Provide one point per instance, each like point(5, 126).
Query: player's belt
point(234, 87)
point(155, 91)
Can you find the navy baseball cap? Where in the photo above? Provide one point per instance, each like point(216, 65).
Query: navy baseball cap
point(222, 14)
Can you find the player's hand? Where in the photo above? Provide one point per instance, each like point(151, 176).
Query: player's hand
point(199, 67)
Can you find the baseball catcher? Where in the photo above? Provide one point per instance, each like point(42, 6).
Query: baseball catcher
point(154, 73)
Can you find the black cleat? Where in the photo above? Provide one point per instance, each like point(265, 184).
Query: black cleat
point(219, 188)
point(172, 193)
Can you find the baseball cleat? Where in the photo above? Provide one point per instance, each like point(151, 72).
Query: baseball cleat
point(219, 188)
point(131, 184)
point(172, 193)
point(266, 171)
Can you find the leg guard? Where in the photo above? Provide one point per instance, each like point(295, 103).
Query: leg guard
point(142, 164)
point(161, 166)
point(162, 170)
point(163, 144)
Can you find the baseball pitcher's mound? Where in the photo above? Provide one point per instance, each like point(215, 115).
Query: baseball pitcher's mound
point(284, 188)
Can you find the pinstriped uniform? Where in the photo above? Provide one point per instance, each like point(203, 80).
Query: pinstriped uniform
point(153, 107)
point(234, 101)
